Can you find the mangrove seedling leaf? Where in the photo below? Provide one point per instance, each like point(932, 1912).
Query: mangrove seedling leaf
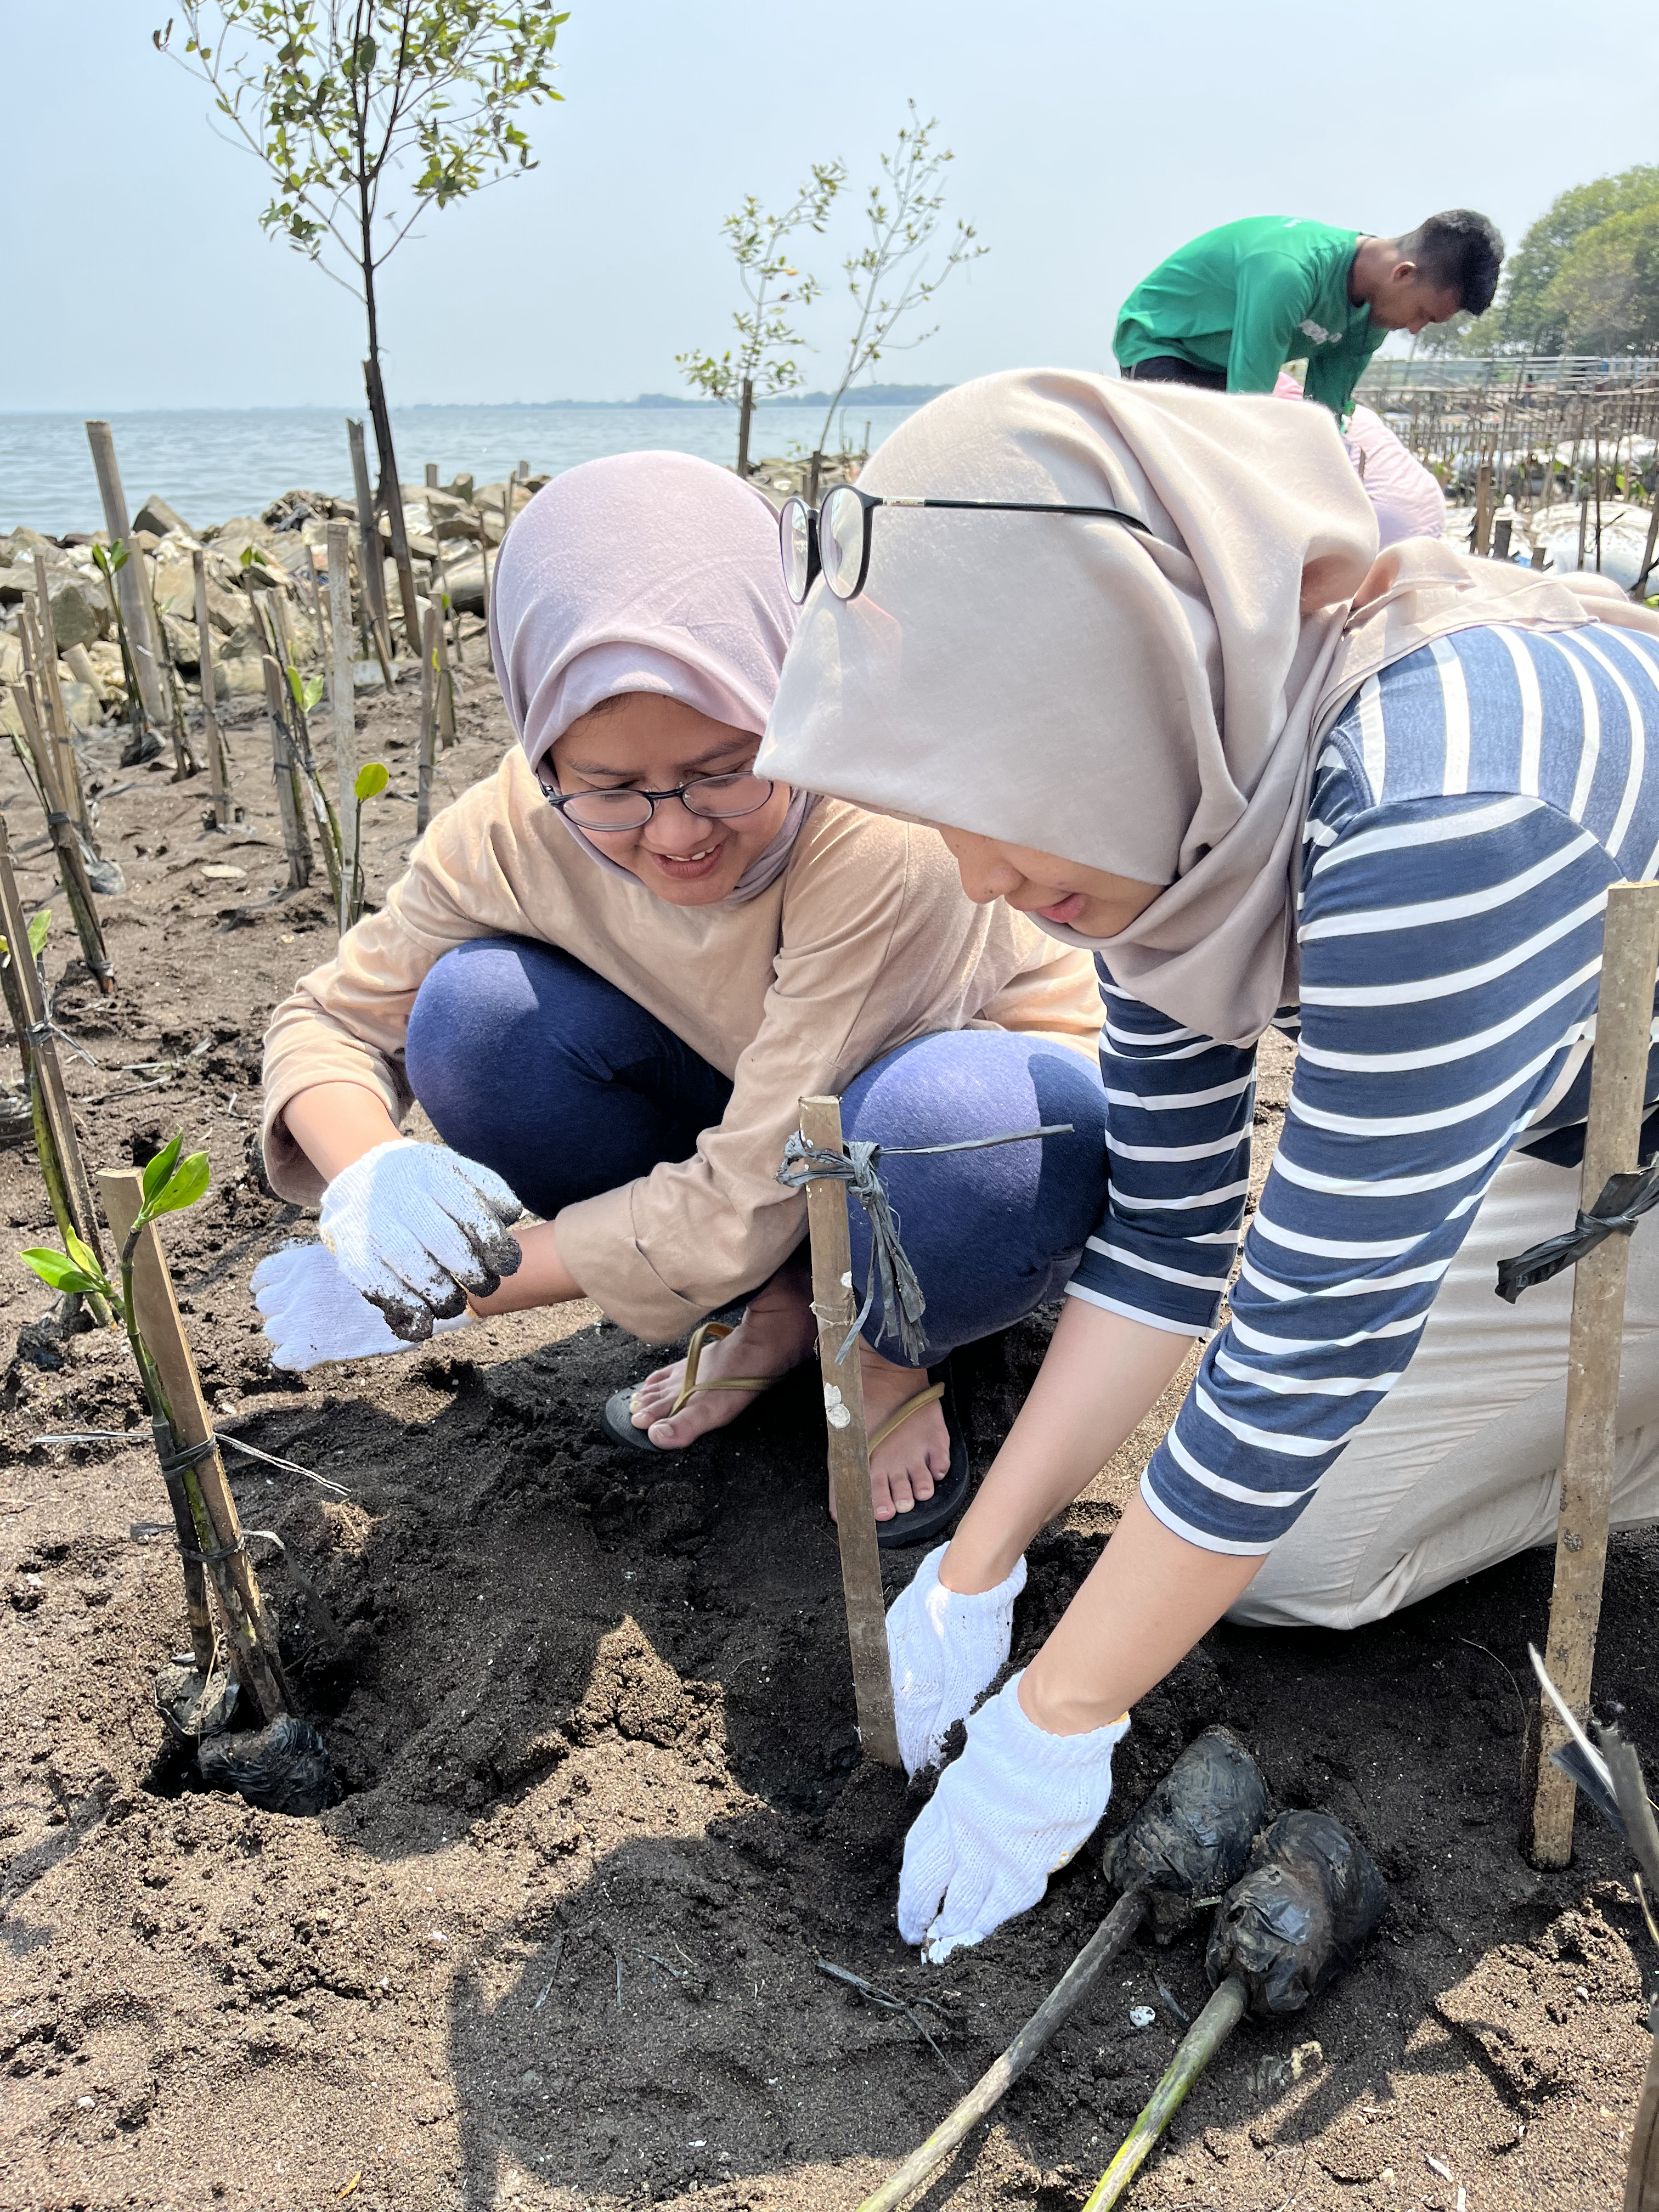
point(188, 1183)
point(58, 1271)
point(156, 1174)
point(372, 779)
point(39, 925)
point(82, 1255)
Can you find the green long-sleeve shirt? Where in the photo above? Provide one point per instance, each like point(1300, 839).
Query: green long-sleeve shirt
point(1250, 296)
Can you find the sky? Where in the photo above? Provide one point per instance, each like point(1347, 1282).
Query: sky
point(1092, 136)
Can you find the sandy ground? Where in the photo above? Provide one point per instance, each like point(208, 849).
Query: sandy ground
point(556, 1945)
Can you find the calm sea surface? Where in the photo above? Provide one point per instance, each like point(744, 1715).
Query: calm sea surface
point(212, 464)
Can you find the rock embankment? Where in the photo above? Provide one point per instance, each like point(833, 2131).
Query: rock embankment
point(284, 549)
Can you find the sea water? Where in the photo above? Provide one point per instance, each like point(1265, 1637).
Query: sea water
point(212, 464)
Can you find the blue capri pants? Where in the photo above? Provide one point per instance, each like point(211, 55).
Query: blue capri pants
point(527, 1060)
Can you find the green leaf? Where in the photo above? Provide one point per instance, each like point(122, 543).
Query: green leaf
point(372, 779)
point(311, 692)
point(156, 1174)
point(38, 928)
point(186, 1186)
point(58, 1271)
point(82, 1255)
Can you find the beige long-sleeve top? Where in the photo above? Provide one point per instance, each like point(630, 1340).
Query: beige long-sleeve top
point(864, 942)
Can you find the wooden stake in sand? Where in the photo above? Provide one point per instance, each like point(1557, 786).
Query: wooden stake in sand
point(836, 1309)
point(1624, 1020)
point(135, 610)
point(63, 736)
point(343, 706)
point(217, 779)
point(429, 723)
point(218, 1525)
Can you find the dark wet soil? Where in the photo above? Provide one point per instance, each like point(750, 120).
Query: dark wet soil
point(556, 1945)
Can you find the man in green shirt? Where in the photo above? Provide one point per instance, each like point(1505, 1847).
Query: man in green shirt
point(1229, 310)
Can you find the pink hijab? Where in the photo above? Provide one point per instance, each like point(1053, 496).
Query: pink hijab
point(644, 572)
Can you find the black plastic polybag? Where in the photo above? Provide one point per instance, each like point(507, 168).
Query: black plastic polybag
point(1192, 1837)
point(281, 1769)
point(1300, 1915)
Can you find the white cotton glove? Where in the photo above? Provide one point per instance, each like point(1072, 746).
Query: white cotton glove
point(415, 1227)
point(1014, 1809)
point(312, 1314)
point(944, 1650)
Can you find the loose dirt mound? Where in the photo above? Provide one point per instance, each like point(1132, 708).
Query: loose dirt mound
point(603, 1808)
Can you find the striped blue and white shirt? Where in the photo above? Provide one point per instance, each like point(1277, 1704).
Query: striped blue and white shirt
point(1469, 810)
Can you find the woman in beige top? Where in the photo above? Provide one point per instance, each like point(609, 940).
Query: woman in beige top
point(611, 971)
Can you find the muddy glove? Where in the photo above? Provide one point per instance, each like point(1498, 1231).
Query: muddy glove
point(1013, 1810)
point(944, 1649)
point(415, 1227)
point(312, 1314)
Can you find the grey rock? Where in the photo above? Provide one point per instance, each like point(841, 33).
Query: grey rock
point(80, 608)
point(157, 515)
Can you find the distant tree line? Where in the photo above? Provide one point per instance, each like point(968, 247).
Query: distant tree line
point(1584, 279)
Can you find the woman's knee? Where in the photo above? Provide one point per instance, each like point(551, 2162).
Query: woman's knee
point(993, 1231)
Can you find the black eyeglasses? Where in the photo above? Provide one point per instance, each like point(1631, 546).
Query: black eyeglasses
point(834, 543)
point(714, 797)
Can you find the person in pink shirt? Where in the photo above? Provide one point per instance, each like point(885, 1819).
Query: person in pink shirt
point(1409, 503)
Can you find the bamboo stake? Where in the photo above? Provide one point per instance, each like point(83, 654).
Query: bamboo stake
point(213, 1509)
point(59, 1153)
point(344, 706)
point(141, 641)
point(1612, 1140)
point(63, 736)
point(369, 556)
point(308, 789)
point(296, 843)
point(218, 781)
point(1197, 2048)
point(834, 1305)
point(446, 681)
point(40, 653)
point(185, 763)
point(449, 606)
point(1045, 2023)
point(1641, 2176)
point(423, 752)
point(71, 866)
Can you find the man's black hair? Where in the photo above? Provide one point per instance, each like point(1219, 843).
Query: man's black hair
point(1457, 252)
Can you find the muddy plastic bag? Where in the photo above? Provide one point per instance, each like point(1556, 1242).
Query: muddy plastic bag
point(1191, 1839)
point(281, 1769)
point(1300, 1915)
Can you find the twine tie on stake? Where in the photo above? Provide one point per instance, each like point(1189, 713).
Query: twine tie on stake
point(1624, 1199)
point(902, 1301)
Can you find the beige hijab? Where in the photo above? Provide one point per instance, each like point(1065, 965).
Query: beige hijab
point(1149, 705)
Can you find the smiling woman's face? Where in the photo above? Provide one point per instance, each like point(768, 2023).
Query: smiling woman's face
point(643, 742)
point(1089, 900)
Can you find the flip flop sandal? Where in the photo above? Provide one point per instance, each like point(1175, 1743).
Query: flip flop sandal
point(619, 1406)
point(933, 1514)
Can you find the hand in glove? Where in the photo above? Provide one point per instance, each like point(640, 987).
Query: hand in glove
point(945, 1647)
point(1013, 1810)
point(415, 1227)
point(312, 1314)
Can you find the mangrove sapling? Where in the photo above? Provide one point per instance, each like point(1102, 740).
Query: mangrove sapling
point(171, 1183)
point(764, 363)
point(185, 763)
point(372, 779)
point(68, 1192)
point(903, 214)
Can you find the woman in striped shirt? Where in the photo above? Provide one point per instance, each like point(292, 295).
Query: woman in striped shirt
point(1197, 725)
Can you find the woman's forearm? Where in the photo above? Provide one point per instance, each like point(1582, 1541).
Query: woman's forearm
point(1102, 1376)
point(542, 1279)
point(334, 1124)
point(1151, 1596)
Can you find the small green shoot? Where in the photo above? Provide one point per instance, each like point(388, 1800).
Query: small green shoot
point(39, 925)
point(373, 778)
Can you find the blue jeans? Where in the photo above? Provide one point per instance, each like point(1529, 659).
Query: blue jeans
point(527, 1060)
